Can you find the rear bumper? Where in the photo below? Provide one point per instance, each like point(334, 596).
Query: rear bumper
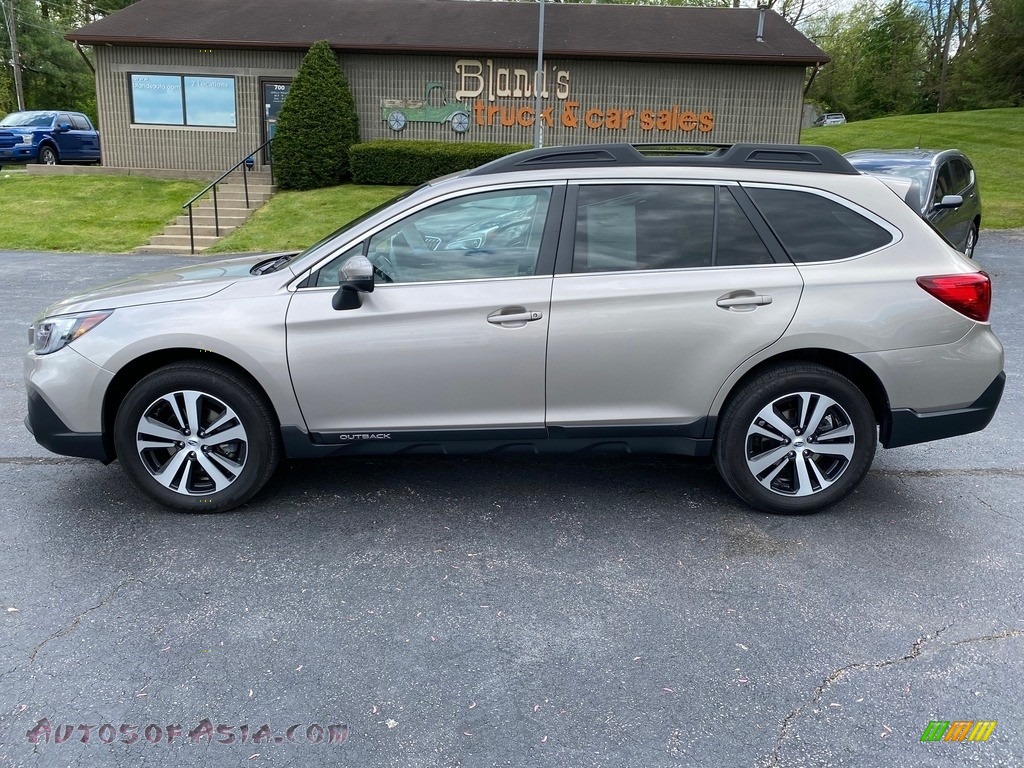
point(53, 434)
point(907, 427)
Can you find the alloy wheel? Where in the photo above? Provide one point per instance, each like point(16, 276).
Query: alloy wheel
point(800, 444)
point(192, 443)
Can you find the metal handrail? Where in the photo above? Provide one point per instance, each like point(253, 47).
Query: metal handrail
point(213, 185)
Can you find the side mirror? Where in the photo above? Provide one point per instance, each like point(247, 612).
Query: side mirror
point(949, 201)
point(354, 277)
point(63, 127)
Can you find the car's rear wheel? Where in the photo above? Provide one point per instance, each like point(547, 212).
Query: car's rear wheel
point(796, 439)
point(48, 155)
point(197, 437)
point(972, 241)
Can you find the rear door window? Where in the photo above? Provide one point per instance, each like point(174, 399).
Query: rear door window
point(623, 227)
point(816, 228)
point(961, 176)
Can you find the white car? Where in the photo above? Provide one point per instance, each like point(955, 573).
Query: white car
point(831, 118)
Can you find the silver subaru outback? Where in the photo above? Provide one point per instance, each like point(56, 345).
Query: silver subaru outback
point(764, 305)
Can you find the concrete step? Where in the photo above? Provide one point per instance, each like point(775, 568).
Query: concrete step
point(222, 211)
point(180, 250)
point(254, 189)
point(232, 201)
point(204, 241)
point(234, 195)
point(200, 230)
point(207, 220)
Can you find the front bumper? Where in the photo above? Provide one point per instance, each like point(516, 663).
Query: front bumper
point(906, 426)
point(54, 435)
point(21, 153)
point(65, 403)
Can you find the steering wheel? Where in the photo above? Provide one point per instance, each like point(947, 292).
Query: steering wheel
point(384, 276)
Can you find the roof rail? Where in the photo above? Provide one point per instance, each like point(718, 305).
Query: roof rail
point(775, 157)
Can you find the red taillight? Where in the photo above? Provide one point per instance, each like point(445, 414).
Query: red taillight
point(969, 294)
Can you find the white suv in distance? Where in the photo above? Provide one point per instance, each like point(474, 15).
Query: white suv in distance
point(768, 306)
point(831, 118)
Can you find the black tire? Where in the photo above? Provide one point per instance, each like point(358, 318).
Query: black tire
point(220, 399)
point(48, 155)
point(972, 241)
point(792, 478)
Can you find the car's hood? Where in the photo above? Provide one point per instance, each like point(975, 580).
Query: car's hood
point(188, 282)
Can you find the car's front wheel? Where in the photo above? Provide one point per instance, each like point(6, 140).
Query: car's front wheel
point(796, 439)
point(197, 437)
point(48, 156)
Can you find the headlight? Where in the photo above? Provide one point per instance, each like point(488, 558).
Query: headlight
point(25, 138)
point(53, 333)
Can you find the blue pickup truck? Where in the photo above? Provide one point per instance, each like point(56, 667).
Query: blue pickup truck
point(49, 137)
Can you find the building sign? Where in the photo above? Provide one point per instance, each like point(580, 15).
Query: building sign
point(488, 97)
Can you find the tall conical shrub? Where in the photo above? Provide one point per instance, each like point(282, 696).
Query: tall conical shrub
point(316, 126)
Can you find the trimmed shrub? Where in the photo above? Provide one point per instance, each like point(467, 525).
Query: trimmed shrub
point(317, 125)
point(414, 162)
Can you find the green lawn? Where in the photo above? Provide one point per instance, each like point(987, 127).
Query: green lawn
point(119, 213)
point(992, 138)
point(105, 214)
point(295, 220)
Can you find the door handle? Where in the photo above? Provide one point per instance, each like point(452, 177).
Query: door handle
point(514, 315)
point(758, 300)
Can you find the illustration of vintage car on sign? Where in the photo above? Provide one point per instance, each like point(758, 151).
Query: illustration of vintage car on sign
point(434, 107)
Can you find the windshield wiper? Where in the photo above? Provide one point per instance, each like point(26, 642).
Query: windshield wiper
point(266, 267)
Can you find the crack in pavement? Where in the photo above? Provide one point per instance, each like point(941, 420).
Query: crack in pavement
point(77, 619)
point(916, 650)
point(964, 472)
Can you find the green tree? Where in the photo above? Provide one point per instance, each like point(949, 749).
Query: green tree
point(317, 124)
point(840, 35)
point(54, 74)
point(878, 60)
point(991, 74)
point(6, 93)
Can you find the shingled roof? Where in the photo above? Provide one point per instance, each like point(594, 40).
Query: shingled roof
point(572, 30)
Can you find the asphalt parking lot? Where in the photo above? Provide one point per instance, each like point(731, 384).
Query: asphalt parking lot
point(509, 611)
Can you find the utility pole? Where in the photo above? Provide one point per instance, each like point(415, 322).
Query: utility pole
point(12, 30)
point(538, 82)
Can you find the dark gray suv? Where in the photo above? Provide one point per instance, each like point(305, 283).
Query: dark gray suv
point(941, 185)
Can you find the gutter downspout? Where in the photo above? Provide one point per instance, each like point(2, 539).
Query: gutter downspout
point(814, 74)
point(85, 58)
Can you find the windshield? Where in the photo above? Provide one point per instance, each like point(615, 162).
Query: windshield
point(28, 119)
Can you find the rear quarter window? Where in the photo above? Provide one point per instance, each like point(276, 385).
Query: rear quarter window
point(815, 228)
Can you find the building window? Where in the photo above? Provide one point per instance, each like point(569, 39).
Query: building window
point(196, 100)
